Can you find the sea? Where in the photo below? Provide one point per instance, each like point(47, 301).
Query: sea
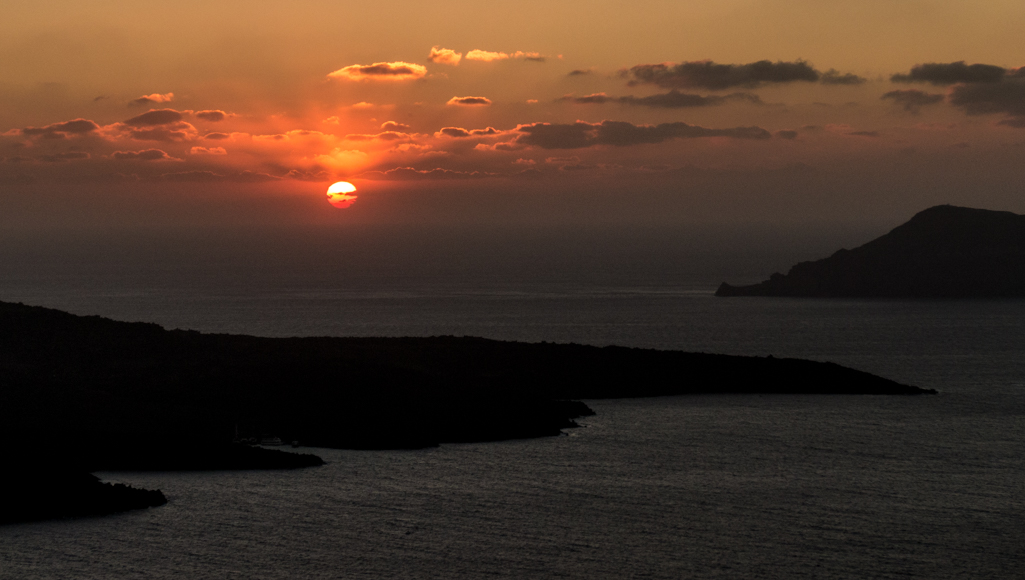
point(738, 486)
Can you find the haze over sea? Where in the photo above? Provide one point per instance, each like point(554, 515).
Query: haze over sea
point(683, 487)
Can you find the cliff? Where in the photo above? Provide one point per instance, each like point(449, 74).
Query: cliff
point(942, 252)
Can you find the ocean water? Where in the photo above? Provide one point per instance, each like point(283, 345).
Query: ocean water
point(679, 487)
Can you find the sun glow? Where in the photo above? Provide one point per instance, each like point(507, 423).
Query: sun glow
point(340, 194)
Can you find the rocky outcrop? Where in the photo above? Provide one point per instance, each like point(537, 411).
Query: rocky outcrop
point(942, 252)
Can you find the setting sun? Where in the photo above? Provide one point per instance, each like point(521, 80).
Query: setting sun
point(339, 196)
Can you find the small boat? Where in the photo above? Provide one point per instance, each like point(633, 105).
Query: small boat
point(271, 440)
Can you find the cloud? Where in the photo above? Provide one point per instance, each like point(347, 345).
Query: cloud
point(76, 127)
point(621, 134)
point(459, 132)
point(580, 72)
point(174, 132)
point(674, 99)
point(155, 117)
point(485, 55)
point(144, 155)
point(412, 174)
point(710, 75)
point(488, 56)
point(444, 56)
point(212, 115)
point(983, 98)
point(381, 71)
point(154, 99)
point(864, 133)
point(469, 101)
point(1017, 123)
point(62, 157)
point(789, 135)
point(206, 176)
point(383, 136)
point(951, 73)
point(534, 56)
point(208, 151)
point(912, 100)
point(834, 77)
point(393, 126)
point(217, 136)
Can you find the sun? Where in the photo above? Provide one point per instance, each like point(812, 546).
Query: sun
point(340, 194)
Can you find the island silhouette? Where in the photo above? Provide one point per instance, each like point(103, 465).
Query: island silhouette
point(86, 393)
point(942, 252)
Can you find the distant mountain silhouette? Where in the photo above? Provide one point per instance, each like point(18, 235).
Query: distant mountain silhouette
point(942, 252)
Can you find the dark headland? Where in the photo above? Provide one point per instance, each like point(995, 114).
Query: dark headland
point(942, 252)
point(85, 393)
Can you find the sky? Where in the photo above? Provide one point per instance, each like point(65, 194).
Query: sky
point(130, 114)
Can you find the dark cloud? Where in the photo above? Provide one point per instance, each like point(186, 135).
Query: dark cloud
point(621, 134)
point(580, 72)
point(1017, 123)
point(62, 157)
point(674, 99)
point(981, 98)
point(710, 75)
point(144, 155)
point(469, 101)
point(913, 100)
point(216, 136)
point(393, 126)
point(63, 130)
point(576, 167)
point(460, 132)
point(864, 133)
point(212, 115)
point(205, 176)
point(789, 135)
point(168, 134)
point(835, 77)
point(951, 73)
point(155, 117)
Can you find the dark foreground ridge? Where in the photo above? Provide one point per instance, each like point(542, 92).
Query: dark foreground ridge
point(48, 492)
point(88, 393)
point(942, 252)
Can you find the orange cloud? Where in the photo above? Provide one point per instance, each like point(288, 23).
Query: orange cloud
point(381, 71)
point(208, 151)
point(444, 56)
point(384, 136)
point(213, 115)
point(485, 55)
point(488, 56)
point(144, 155)
point(469, 101)
point(153, 99)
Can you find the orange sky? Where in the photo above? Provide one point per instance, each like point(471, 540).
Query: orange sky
point(118, 112)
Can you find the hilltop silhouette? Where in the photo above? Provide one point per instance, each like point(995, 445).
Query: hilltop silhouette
point(942, 252)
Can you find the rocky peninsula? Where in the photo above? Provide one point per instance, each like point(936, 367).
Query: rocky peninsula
point(87, 393)
point(942, 252)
